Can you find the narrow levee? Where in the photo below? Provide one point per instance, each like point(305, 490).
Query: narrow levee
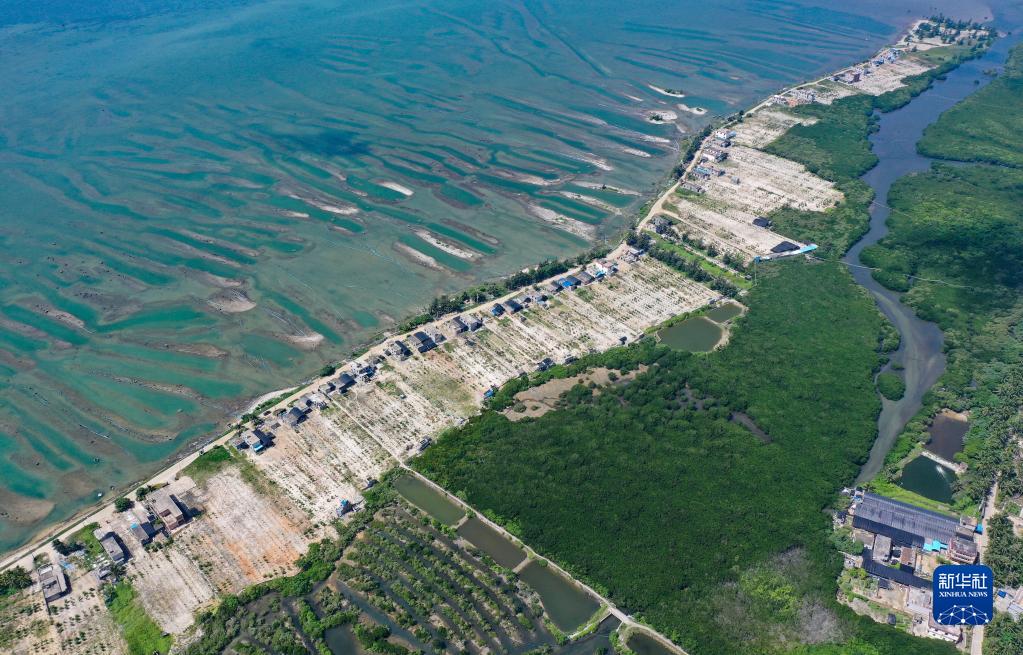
point(921, 353)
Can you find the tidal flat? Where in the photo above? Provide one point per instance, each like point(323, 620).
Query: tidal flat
point(202, 203)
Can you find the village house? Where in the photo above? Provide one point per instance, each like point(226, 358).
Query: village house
point(166, 508)
point(422, 342)
point(142, 527)
point(513, 306)
point(294, 416)
point(474, 322)
point(584, 277)
point(459, 325)
point(344, 382)
point(399, 349)
point(52, 581)
point(112, 546)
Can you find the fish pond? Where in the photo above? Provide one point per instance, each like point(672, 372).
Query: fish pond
point(565, 602)
point(724, 312)
point(928, 478)
point(491, 542)
point(697, 334)
point(428, 499)
point(947, 430)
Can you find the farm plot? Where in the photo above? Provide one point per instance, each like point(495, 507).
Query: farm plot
point(440, 588)
point(754, 184)
point(333, 453)
point(765, 125)
point(889, 76)
point(82, 623)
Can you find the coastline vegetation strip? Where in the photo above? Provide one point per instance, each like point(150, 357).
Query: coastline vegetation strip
point(663, 504)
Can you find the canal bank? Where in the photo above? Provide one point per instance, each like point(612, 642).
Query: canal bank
point(921, 351)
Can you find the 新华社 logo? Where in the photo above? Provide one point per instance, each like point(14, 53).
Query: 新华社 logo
point(963, 595)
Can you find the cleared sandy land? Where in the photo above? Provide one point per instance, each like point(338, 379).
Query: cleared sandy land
point(358, 435)
point(754, 184)
point(766, 125)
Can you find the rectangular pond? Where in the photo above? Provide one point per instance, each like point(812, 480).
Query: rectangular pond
point(428, 499)
point(566, 603)
point(492, 542)
point(926, 477)
point(698, 334)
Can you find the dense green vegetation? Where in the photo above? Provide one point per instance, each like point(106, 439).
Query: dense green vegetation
point(1003, 636)
point(13, 580)
point(956, 249)
point(986, 127)
point(123, 504)
point(679, 514)
point(836, 148)
point(891, 385)
point(142, 635)
point(1005, 552)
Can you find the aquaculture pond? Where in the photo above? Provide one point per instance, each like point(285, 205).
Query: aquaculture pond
point(699, 334)
point(724, 312)
point(566, 604)
point(342, 641)
point(428, 499)
point(641, 643)
point(947, 432)
point(929, 479)
point(492, 542)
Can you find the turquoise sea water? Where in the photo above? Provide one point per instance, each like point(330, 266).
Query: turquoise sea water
point(203, 201)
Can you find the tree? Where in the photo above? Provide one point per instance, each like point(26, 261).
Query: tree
point(14, 580)
point(123, 504)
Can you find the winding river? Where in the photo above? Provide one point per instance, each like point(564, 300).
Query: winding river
point(921, 351)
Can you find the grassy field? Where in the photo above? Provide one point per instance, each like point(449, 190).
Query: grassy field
point(684, 517)
point(140, 632)
point(208, 464)
point(986, 127)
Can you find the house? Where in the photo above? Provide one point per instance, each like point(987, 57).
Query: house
point(760, 221)
point(907, 558)
point(294, 416)
point(963, 551)
point(544, 364)
point(570, 281)
point(399, 350)
point(326, 389)
point(259, 440)
point(459, 325)
point(554, 286)
point(166, 508)
point(690, 186)
point(584, 277)
point(784, 246)
point(660, 224)
point(142, 529)
point(950, 633)
point(112, 547)
point(422, 342)
point(344, 382)
point(513, 306)
point(725, 134)
point(715, 154)
point(636, 252)
point(497, 310)
point(345, 507)
point(425, 443)
point(366, 372)
point(474, 322)
point(52, 581)
point(906, 524)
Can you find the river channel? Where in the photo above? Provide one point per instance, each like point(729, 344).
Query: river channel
point(921, 351)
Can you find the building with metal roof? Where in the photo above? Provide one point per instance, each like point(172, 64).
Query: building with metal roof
point(906, 524)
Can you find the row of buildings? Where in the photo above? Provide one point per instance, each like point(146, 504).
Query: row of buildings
point(160, 514)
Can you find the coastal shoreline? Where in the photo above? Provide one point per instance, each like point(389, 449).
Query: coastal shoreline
point(103, 507)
